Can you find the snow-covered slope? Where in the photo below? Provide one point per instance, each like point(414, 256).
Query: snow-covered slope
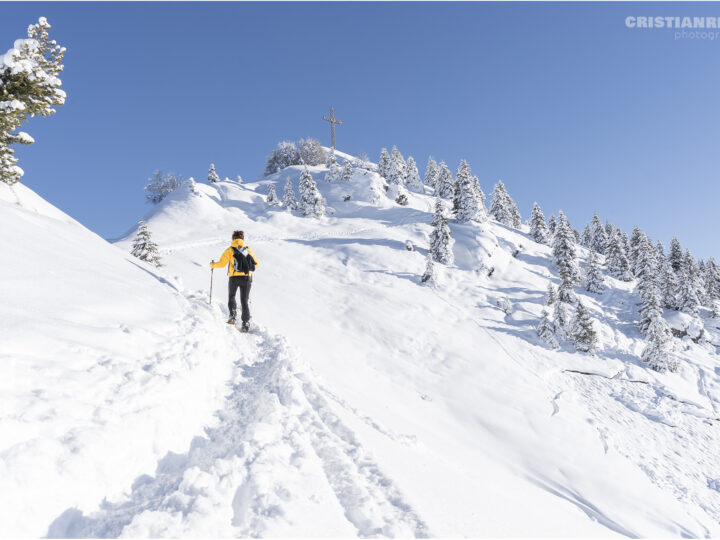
point(367, 404)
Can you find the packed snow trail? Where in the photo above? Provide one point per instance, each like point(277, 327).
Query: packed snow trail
point(275, 433)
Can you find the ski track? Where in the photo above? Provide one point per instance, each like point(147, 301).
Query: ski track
point(236, 479)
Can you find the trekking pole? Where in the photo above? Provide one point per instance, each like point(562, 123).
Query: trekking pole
point(212, 271)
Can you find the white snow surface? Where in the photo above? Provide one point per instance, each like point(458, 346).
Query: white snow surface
point(362, 404)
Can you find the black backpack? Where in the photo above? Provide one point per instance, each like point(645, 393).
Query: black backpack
point(242, 260)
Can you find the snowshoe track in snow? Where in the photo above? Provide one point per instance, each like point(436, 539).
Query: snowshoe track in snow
point(275, 442)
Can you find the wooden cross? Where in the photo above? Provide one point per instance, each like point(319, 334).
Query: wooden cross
point(332, 121)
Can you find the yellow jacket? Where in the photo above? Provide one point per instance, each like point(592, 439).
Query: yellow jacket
point(227, 259)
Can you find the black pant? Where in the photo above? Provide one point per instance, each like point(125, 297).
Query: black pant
point(243, 283)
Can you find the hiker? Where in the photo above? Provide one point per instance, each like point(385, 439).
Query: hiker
point(241, 262)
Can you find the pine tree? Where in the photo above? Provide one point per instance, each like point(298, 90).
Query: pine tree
point(289, 200)
point(656, 353)
point(384, 163)
point(583, 334)
point(334, 172)
point(212, 175)
point(271, 198)
point(445, 186)
point(565, 257)
point(467, 205)
point(239, 179)
point(347, 171)
point(429, 277)
point(397, 173)
point(646, 264)
point(552, 224)
point(330, 159)
point(650, 305)
point(311, 202)
point(284, 155)
point(594, 279)
point(688, 287)
point(311, 152)
point(412, 180)
point(160, 185)
point(482, 210)
point(675, 257)
point(599, 237)
point(538, 228)
point(712, 281)
point(586, 237)
point(551, 295)
point(144, 248)
point(431, 173)
point(30, 86)
point(618, 263)
point(562, 319)
point(546, 330)
point(609, 231)
point(637, 240)
point(668, 286)
point(441, 241)
point(503, 208)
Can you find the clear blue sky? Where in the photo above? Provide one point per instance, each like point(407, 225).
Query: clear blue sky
point(561, 101)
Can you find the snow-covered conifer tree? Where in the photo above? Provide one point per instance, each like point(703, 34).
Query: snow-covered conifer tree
point(160, 185)
point(551, 295)
point(650, 305)
point(565, 257)
point(546, 330)
point(656, 353)
point(586, 237)
point(284, 155)
point(675, 256)
point(431, 173)
point(311, 201)
point(599, 239)
point(330, 159)
point(503, 208)
point(347, 171)
point(144, 248)
point(688, 297)
point(467, 205)
point(289, 200)
point(594, 279)
point(552, 223)
point(445, 186)
point(239, 179)
point(712, 281)
point(30, 86)
point(441, 241)
point(482, 210)
point(412, 180)
point(383, 167)
point(538, 228)
point(398, 168)
point(271, 198)
point(637, 239)
point(429, 277)
point(334, 172)
point(562, 319)
point(583, 334)
point(212, 175)
point(311, 151)
point(609, 230)
point(668, 284)
point(618, 263)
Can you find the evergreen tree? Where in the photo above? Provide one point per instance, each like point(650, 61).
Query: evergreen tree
point(583, 334)
point(467, 205)
point(289, 200)
point(586, 237)
point(618, 263)
point(482, 210)
point(398, 168)
point(599, 237)
point(212, 175)
point(688, 287)
point(429, 277)
point(565, 257)
point(284, 155)
point(311, 152)
point(503, 208)
point(538, 228)
point(660, 250)
point(637, 241)
point(431, 173)
point(311, 202)
point(656, 353)
point(551, 295)
point(609, 231)
point(594, 280)
point(445, 186)
point(441, 241)
point(347, 171)
point(712, 280)
point(330, 160)
point(650, 306)
point(562, 319)
point(334, 172)
point(239, 179)
point(144, 248)
point(384, 163)
point(412, 179)
point(546, 330)
point(668, 285)
point(646, 264)
point(552, 223)
point(271, 198)
point(675, 257)
point(29, 87)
